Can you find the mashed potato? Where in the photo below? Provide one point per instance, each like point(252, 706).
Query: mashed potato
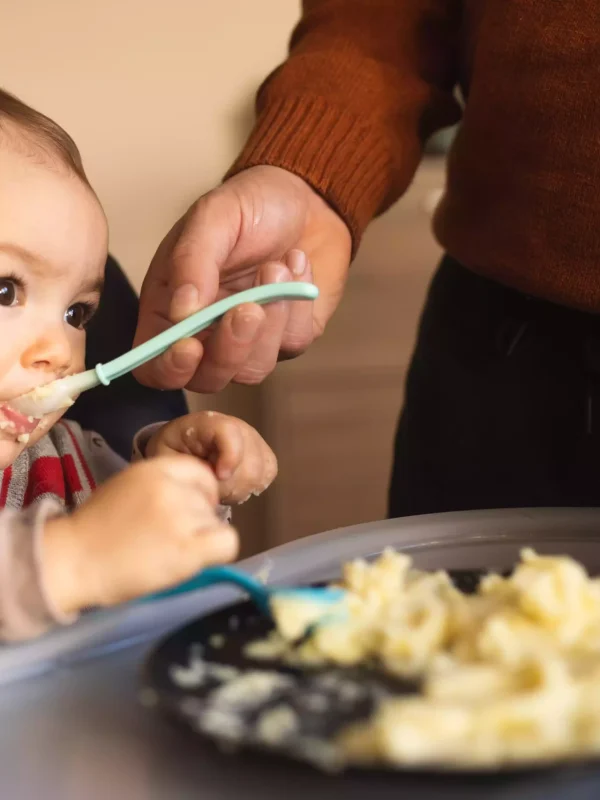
point(510, 674)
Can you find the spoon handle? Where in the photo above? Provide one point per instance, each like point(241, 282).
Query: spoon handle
point(211, 576)
point(198, 322)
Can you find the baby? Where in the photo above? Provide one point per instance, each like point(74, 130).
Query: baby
point(66, 545)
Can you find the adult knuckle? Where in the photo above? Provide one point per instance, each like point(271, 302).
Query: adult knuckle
point(294, 347)
point(183, 252)
point(223, 209)
point(207, 383)
point(298, 341)
point(254, 374)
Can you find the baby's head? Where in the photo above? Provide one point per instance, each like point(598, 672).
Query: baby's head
point(53, 247)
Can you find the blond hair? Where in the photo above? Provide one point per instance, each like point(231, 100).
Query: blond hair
point(42, 130)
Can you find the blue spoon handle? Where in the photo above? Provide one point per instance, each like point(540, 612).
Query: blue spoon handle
point(199, 321)
point(215, 575)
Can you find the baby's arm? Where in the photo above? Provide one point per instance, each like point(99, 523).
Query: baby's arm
point(149, 528)
point(26, 609)
point(104, 462)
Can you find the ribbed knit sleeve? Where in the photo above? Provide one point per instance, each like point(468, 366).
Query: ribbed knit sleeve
point(365, 82)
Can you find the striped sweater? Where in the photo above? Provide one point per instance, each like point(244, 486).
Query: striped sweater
point(53, 476)
point(65, 467)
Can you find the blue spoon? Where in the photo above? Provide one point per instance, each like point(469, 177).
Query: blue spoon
point(260, 594)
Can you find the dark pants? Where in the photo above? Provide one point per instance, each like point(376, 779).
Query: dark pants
point(502, 404)
point(118, 411)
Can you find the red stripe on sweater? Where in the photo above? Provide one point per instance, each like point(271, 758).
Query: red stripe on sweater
point(82, 461)
point(5, 484)
point(72, 479)
point(45, 477)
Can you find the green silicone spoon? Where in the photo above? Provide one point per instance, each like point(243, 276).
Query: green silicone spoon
point(60, 393)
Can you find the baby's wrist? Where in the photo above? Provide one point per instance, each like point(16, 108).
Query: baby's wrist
point(146, 441)
point(66, 567)
point(166, 439)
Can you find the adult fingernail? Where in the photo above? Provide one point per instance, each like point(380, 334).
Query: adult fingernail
point(297, 261)
point(185, 301)
point(244, 325)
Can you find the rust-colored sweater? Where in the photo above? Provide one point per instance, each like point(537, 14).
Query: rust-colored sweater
point(368, 80)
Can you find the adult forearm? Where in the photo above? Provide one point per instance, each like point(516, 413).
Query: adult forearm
point(365, 82)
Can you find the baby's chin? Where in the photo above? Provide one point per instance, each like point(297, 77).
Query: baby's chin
point(10, 450)
point(12, 445)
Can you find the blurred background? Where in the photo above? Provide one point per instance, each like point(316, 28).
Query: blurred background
point(159, 97)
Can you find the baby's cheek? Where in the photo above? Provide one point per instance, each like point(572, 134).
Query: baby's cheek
point(78, 356)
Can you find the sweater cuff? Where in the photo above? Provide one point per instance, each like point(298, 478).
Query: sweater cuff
point(26, 609)
point(141, 439)
point(346, 162)
point(43, 513)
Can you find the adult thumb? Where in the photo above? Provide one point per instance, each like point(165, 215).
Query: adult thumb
point(183, 278)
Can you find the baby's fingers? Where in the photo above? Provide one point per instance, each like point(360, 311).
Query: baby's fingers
point(185, 472)
point(227, 452)
point(248, 478)
point(215, 545)
point(216, 439)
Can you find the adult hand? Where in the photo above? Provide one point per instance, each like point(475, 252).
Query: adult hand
point(264, 225)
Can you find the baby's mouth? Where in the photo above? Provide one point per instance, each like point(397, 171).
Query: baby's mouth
point(13, 423)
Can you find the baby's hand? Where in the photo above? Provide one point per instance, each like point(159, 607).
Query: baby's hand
point(148, 528)
point(242, 461)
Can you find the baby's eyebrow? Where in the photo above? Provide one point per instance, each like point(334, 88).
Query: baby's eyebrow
point(35, 261)
point(95, 286)
point(39, 263)
point(16, 250)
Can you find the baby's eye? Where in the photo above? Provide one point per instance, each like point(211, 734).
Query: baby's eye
point(78, 315)
point(9, 292)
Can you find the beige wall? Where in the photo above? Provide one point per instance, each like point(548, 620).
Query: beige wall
point(157, 93)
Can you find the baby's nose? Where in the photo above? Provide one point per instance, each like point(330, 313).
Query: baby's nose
point(50, 351)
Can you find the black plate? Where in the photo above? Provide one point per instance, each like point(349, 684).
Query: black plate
point(323, 700)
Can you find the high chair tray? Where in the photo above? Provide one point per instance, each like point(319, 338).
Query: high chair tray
point(80, 731)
